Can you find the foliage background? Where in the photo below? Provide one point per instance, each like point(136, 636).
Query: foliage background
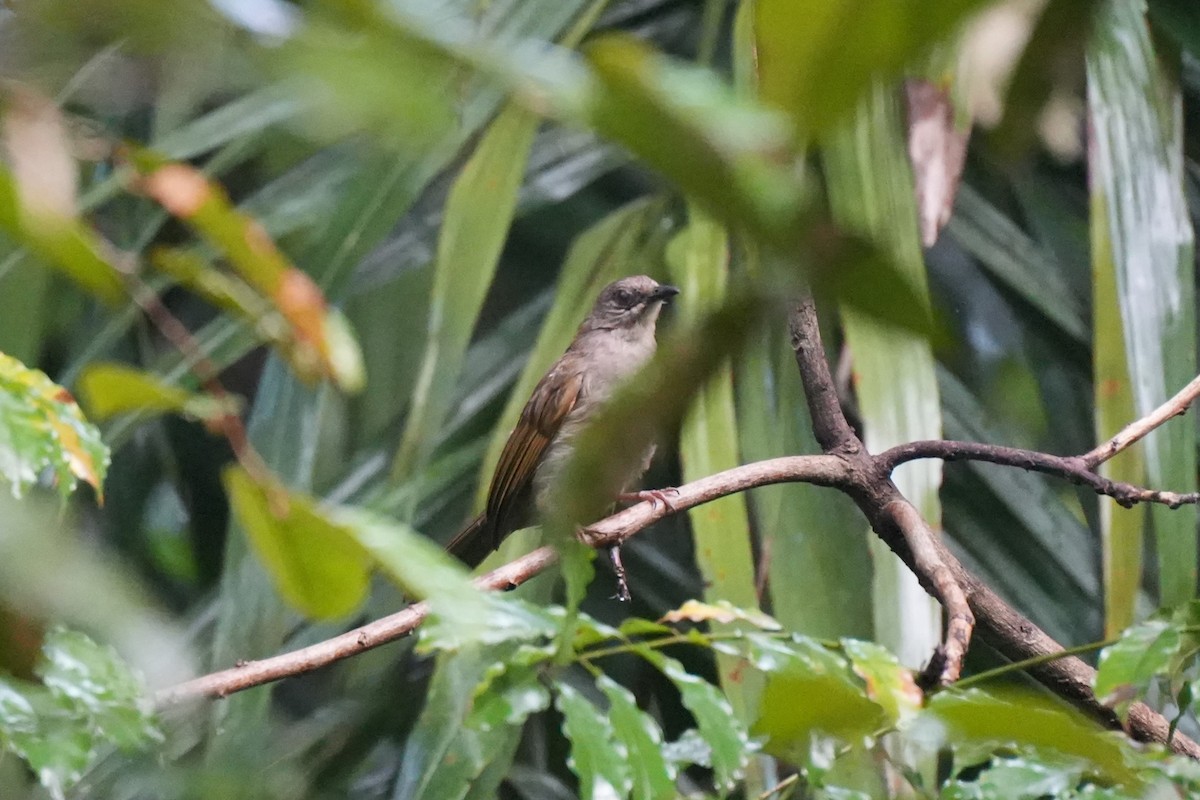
point(463, 237)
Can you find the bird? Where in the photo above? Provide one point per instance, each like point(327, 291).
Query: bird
point(615, 339)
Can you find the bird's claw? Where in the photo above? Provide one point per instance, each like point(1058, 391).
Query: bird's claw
point(614, 555)
point(665, 496)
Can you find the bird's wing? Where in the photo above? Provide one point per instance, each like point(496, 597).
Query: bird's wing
point(543, 415)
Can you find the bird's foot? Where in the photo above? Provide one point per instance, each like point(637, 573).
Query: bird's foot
point(665, 496)
point(614, 555)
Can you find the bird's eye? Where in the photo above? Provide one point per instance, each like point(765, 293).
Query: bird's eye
point(624, 298)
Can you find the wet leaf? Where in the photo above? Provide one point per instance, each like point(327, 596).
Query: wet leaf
point(596, 757)
point(652, 775)
point(718, 726)
point(1146, 650)
point(41, 427)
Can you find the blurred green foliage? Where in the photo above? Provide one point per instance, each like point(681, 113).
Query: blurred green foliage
point(379, 222)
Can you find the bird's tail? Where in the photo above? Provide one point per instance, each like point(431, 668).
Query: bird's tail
point(473, 544)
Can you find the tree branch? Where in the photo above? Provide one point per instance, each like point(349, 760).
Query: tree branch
point(819, 470)
point(891, 516)
point(1076, 469)
point(1003, 627)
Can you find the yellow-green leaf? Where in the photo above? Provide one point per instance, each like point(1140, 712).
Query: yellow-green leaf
point(110, 389)
point(317, 564)
point(189, 195)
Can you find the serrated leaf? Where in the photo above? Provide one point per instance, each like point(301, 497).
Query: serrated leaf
point(889, 684)
point(814, 695)
point(317, 565)
point(715, 720)
point(94, 682)
point(41, 427)
point(596, 757)
point(1143, 651)
point(459, 735)
point(90, 700)
point(652, 775)
point(56, 748)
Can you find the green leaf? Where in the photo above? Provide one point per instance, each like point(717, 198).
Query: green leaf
point(1019, 716)
point(474, 228)
point(1144, 651)
point(1020, 777)
point(56, 748)
point(716, 722)
point(889, 685)
point(459, 735)
point(596, 757)
point(676, 117)
point(817, 58)
point(463, 613)
point(1142, 234)
point(93, 681)
point(653, 777)
point(813, 693)
point(363, 72)
point(90, 700)
point(698, 259)
point(871, 193)
point(41, 427)
point(111, 389)
point(317, 564)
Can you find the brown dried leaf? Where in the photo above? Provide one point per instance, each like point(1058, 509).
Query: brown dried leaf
point(937, 150)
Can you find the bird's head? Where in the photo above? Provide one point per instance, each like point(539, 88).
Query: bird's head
point(631, 303)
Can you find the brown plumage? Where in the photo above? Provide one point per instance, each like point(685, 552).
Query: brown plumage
point(615, 339)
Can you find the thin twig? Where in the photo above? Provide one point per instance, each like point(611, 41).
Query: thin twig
point(229, 423)
point(1134, 431)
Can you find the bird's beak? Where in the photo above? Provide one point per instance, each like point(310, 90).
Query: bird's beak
point(664, 293)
